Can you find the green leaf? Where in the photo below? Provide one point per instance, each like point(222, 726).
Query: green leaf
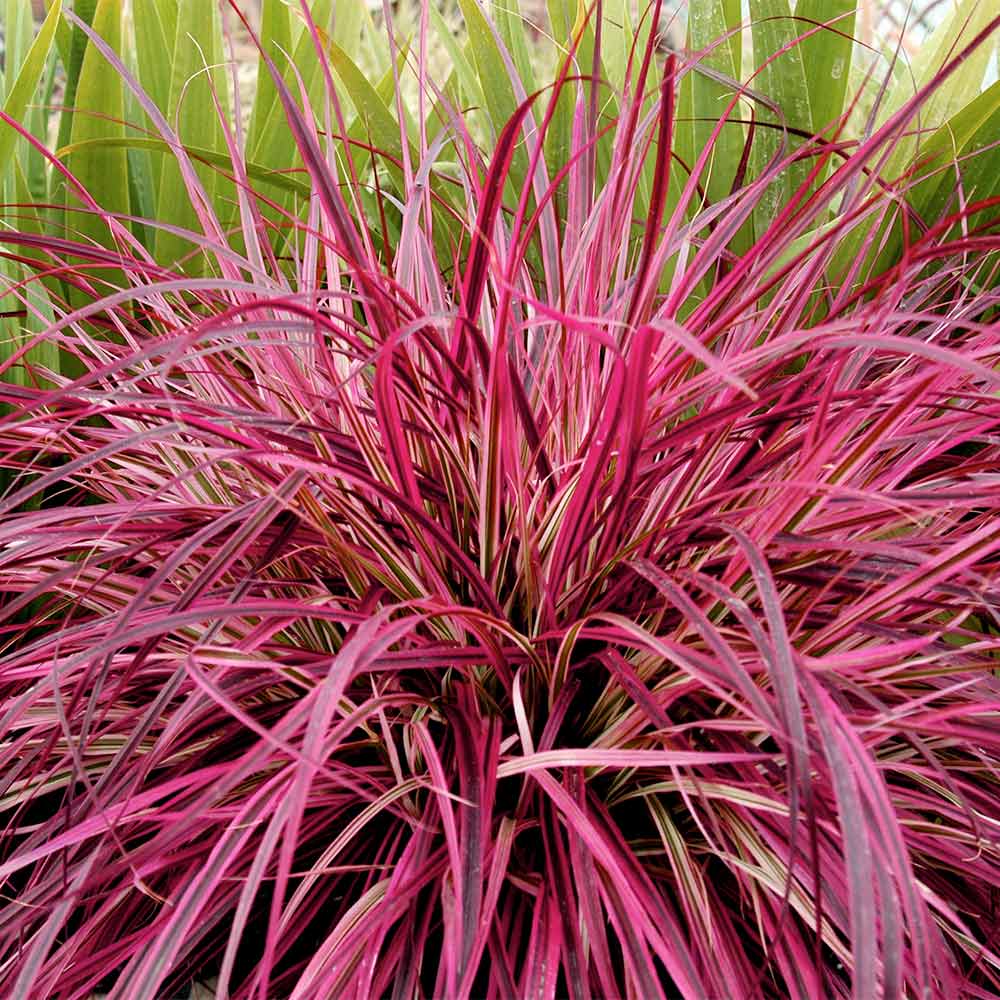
point(783, 80)
point(703, 98)
point(379, 120)
point(965, 21)
point(18, 29)
point(981, 168)
point(267, 138)
point(828, 55)
point(971, 115)
point(962, 147)
point(99, 112)
point(26, 83)
point(617, 36)
point(155, 25)
point(275, 41)
point(64, 34)
point(509, 21)
point(192, 108)
point(494, 77)
point(46, 353)
point(78, 45)
point(973, 123)
point(15, 330)
point(211, 157)
point(463, 70)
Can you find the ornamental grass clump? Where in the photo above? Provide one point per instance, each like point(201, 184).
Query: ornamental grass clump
point(545, 551)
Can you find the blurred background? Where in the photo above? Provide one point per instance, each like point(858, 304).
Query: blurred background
point(882, 27)
point(883, 22)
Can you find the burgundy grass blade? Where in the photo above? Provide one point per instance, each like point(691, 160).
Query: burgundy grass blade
point(500, 613)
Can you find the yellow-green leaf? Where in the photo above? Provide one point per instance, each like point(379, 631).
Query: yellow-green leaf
point(704, 98)
point(276, 42)
point(783, 80)
point(827, 54)
point(966, 20)
point(26, 82)
point(99, 113)
point(210, 157)
point(192, 110)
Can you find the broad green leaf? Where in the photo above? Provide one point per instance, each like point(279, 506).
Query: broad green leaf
point(570, 20)
point(462, 68)
point(509, 21)
point(827, 54)
point(23, 177)
point(703, 98)
point(40, 120)
point(437, 115)
point(617, 34)
point(46, 353)
point(959, 135)
point(78, 45)
point(376, 123)
point(267, 139)
point(494, 76)
point(962, 147)
point(972, 127)
point(99, 112)
point(25, 85)
point(19, 41)
point(155, 25)
point(16, 330)
point(373, 44)
point(374, 116)
point(12, 334)
point(192, 111)
point(30, 214)
point(783, 80)
point(562, 17)
point(981, 170)
point(276, 42)
point(339, 29)
point(965, 21)
point(18, 28)
point(141, 191)
point(64, 34)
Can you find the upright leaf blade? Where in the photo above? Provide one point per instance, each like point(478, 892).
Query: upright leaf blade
point(155, 26)
point(276, 42)
point(826, 56)
point(99, 113)
point(22, 87)
point(704, 98)
point(195, 73)
point(963, 23)
point(77, 46)
point(780, 76)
